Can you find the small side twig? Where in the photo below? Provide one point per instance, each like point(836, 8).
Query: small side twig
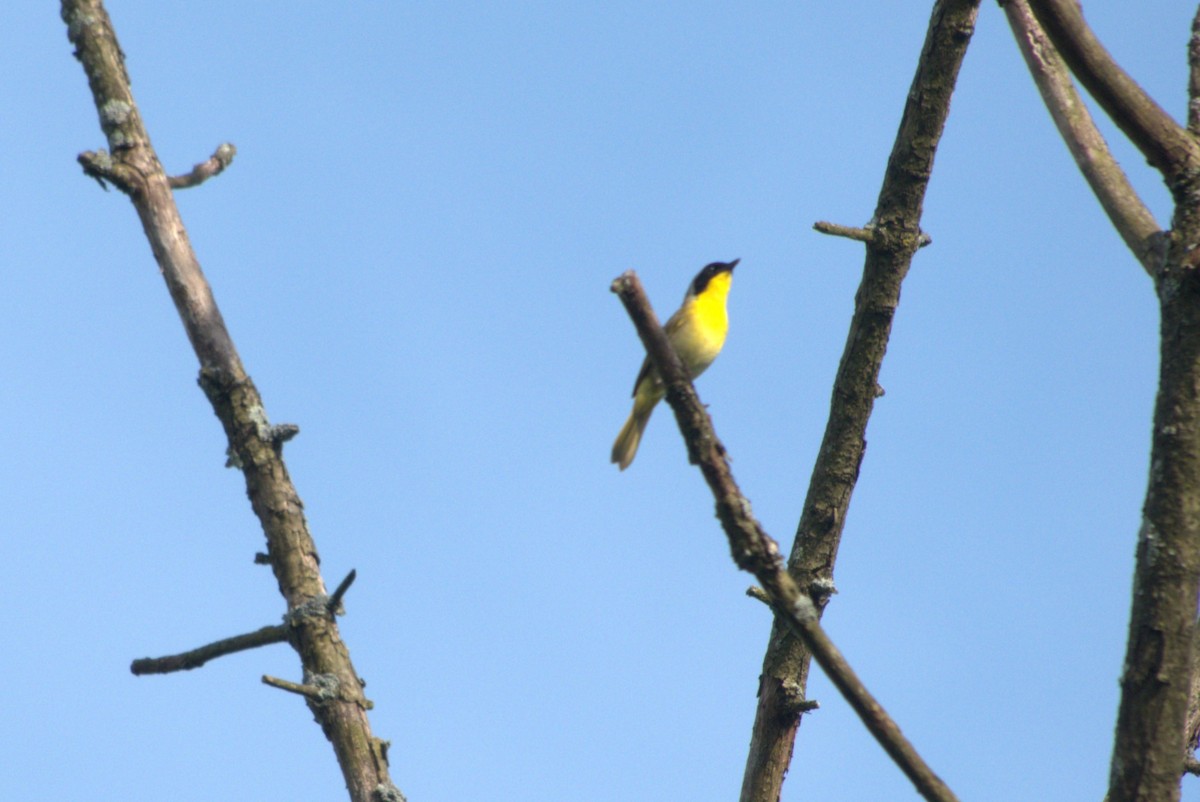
point(98, 164)
point(864, 234)
point(213, 166)
point(334, 604)
point(198, 657)
point(757, 593)
point(755, 551)
point(308, 691)
point(849, 232)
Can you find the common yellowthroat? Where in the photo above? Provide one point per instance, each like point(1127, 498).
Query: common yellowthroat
point(697, 332)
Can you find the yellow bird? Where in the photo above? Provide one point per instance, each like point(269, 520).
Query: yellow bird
point(697, 332)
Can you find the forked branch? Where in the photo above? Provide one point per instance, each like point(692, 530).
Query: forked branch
point(1157, 717)
point(1164, 143)
point(755, 551)
point(1120, 201)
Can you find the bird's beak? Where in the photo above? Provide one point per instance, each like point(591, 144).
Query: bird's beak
point(733, 264)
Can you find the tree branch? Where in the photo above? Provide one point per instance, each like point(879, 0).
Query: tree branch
point(1161, 140)
point(334, 605)
point(135, 169)
point(864, 234)
point(849, 232)
point(1194, 76)
point(755, 551)
point(1120, 201)
point(1154, 721)
point(215, 165)
point(198, 657)
point(310, 692)
point(1192, 728)
point(896, 236)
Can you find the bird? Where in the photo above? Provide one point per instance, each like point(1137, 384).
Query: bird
point(697, 333)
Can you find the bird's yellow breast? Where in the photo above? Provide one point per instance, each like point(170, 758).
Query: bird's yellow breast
point(704, 322)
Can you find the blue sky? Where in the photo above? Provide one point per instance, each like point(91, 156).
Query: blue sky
point(413, 252)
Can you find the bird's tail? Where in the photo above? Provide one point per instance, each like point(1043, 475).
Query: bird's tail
point(626, 446)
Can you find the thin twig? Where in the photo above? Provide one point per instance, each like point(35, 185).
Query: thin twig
point(1124, 207)
point(849, 232)
point(213, 166)
point(309, 691)
point(198, 657)
point(755, 551)
point(335, 601)
point(1161, 140)
point(864, 234)
point(755, 592)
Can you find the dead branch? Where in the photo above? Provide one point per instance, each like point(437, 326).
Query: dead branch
point(1154, 723)
point(1161, 140)
point(134, 168)
point(753, 550)
point(1121, 203)
point(213, 166)
point(195, 658)
point(896, 236)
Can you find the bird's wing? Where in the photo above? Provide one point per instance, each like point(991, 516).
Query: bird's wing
point(643, 373)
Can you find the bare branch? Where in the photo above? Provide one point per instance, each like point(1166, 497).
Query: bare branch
point(1192, 728)
point(1153, 726)
point(1194, 76)
point(198, 657)
point(334, 605)
point(311, 692)
point(864, 234)
point(849, 232)
point(755, 551)
point(1158, 720)
point(896, 236)
point(1125, 209)
point(1157, 672)
point(215, 165)
point(1161, 140)
point(134, 168)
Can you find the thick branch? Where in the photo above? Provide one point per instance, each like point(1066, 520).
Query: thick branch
point(1125, 209)
point(1194, 76)
point(1154, 728)
point(198, 657)
point(1152, 733)
point(896, 237)
point(1192, 728)
point(755, 551)
point(135, 169)
point(1161, 140)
